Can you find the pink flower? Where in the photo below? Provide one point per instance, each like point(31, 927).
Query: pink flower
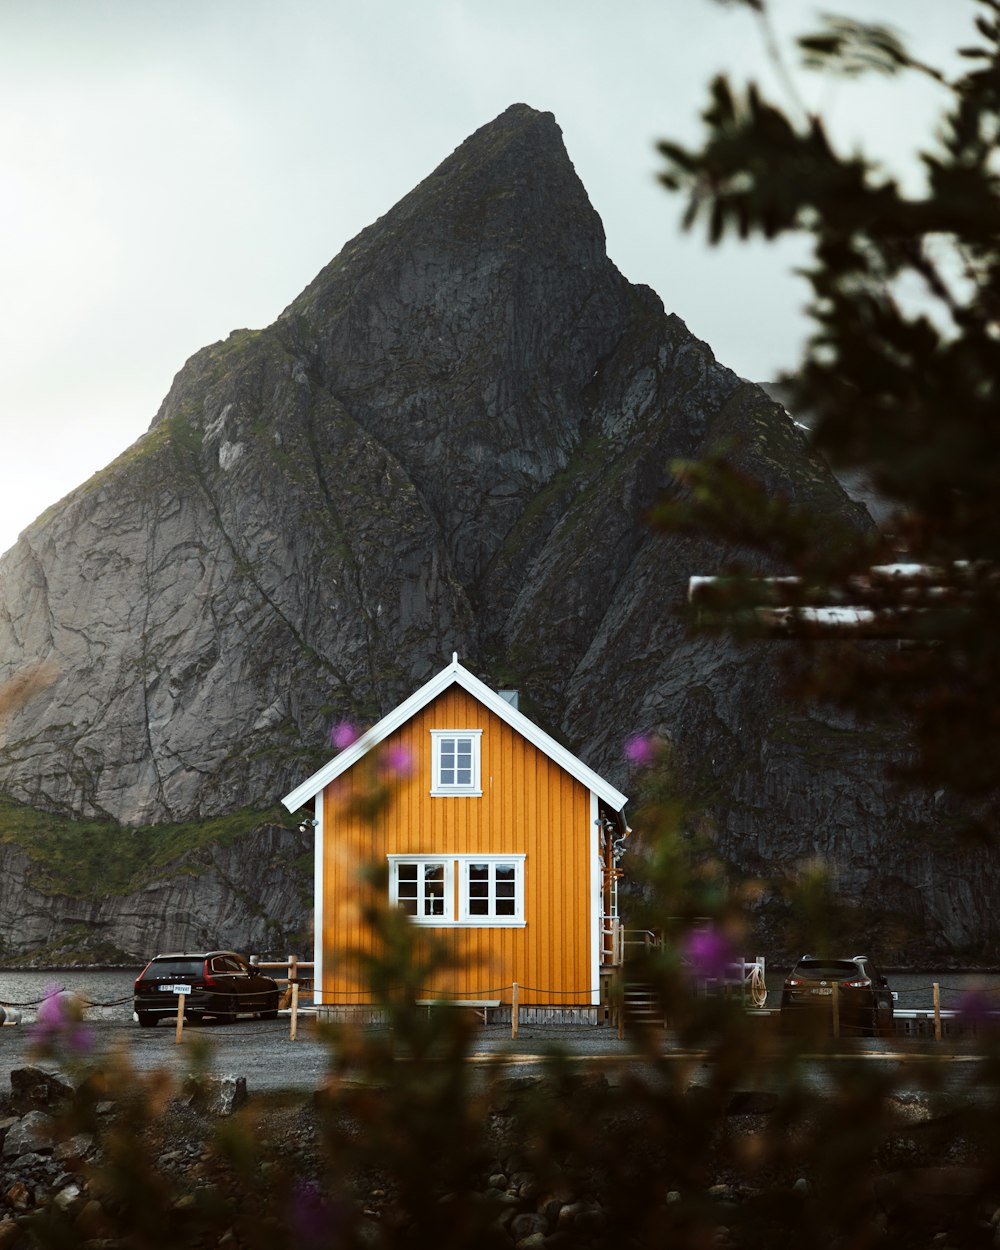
point(640, 750)
point(343, 735)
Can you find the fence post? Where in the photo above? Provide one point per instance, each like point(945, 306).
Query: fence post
point(937, 1012)
point(293, 1031)
point(179, 1031)
point(836, 1009)
point(515, 1009)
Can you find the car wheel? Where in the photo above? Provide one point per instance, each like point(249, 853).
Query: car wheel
point(146, 1019)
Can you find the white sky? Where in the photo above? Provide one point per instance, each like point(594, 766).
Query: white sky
point(171, 170)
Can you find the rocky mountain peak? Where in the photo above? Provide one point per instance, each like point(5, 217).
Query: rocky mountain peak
point(426, 327)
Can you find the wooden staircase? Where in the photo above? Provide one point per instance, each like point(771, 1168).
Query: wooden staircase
point(640, 1005)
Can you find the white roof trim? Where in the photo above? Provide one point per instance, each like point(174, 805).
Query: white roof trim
point(454, 674)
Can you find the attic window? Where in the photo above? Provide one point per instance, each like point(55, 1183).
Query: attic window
point(455, 761)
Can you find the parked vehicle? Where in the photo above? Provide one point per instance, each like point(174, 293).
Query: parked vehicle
point(216, 983)
point(864, 999)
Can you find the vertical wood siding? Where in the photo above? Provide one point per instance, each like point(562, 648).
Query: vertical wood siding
point(529, 806)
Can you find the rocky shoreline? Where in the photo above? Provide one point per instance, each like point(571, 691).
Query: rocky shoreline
point(60, 1141)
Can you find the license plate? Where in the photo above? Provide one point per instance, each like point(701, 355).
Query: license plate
point(175, 989)
point(828, 990)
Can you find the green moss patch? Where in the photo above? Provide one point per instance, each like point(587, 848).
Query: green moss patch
point(92, 858)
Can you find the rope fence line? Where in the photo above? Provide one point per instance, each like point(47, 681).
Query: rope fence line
point(30, 1002)
point(455, 995)
point(87, 1002)
point(484, 998)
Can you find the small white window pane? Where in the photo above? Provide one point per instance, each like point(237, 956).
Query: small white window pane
point(434, 890)
point(479, 889)
point(407, 888)
point(506, 887)
point(447, 761)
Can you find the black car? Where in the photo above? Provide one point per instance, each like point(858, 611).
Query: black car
point(864, 1000)
point(216, 983)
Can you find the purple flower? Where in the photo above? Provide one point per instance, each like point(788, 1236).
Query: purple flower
point(397, 761)
point(52, 1010)
point(58, 1023)
point(708, 952)
point(343, 735)
point(975, 1007)
point(315, 1220)
point(80, 1039)
point(307, 1215)
point(640, 750)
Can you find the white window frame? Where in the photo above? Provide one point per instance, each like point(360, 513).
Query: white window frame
point(490, 919)
point(438, 738)
point(423, 862)
point(462, 865)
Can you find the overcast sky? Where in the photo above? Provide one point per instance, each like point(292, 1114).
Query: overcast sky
point(171, 171)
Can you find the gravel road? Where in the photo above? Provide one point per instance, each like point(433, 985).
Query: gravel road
point(262, 1052)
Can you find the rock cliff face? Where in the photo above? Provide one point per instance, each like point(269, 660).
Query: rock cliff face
point(445, 443)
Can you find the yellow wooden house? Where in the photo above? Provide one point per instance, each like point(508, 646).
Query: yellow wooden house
point(487, 833)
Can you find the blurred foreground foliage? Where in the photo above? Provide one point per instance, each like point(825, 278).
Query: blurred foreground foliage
point(899, 385)
point(711, 1132)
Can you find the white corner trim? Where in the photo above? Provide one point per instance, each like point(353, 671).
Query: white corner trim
point(319, 878)
point(596, 903)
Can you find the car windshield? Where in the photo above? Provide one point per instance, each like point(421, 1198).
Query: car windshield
point(828, 969)
point(174, 968)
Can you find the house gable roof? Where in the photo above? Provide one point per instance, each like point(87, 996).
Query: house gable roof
point(454, 674)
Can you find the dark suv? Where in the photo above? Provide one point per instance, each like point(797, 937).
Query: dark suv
point(216, 983)
point(864, 1000)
